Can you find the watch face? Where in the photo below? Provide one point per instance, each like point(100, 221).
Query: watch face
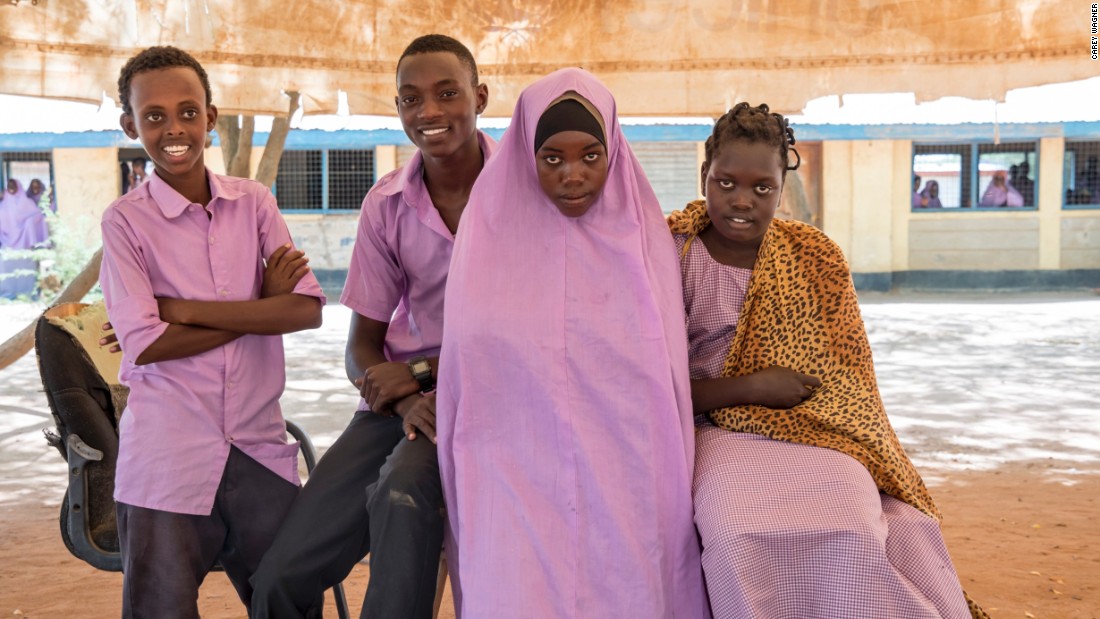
point(421, 367)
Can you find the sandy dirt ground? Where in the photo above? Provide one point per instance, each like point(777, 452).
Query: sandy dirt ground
point(995, 397)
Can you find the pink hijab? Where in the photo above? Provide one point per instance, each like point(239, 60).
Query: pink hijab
point(565, 430)
point(22, 223)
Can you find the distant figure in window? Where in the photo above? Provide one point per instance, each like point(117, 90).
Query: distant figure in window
point(1087, 187)
point(22, 227)
point(41, 195)
point(137, 172)
point(1001, 193)
point(929, 197)
point(916, 192)
point(1022, 183)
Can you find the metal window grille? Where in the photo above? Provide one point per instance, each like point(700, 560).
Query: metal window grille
point(1017, 162)
point(350, 177)
point(948, 167)
point(1081, 173)
point(298, 184)
point(672, 170)
point(324, 180)
point(26, 166)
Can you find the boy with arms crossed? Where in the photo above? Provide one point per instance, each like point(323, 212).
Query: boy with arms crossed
point(377, 489)
point(204, 473)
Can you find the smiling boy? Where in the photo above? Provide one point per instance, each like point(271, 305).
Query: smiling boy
point(377, 489)
point(204, 472)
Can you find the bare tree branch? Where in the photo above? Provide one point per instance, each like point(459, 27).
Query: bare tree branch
point(229, 134)
point(18, 344)
point(242, 163)
point(276, 140)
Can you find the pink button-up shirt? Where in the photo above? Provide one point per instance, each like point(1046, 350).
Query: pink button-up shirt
point(184, 414)
point(399, 265)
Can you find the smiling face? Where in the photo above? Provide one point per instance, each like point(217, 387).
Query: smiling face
point(438, 102)
point(35, 187)
point(742, 185)
point(171, 119)
point(13, 186)
point(572, 169)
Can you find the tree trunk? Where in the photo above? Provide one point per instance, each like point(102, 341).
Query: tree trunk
point(235, 134)
point(276, 140)
point(18, 344)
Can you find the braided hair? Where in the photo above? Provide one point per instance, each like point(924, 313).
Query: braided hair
point(754, 124)
point(154, 59)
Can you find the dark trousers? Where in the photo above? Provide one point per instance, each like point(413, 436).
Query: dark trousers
point(373, 491)
point(166, 556)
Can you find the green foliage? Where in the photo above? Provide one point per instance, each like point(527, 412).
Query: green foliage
point(65, 257)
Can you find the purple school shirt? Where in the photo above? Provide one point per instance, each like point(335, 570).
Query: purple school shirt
point(184, 414)
point(399, 264)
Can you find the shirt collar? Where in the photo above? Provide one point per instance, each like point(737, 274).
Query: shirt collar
point(172, 203)
point(411, 178)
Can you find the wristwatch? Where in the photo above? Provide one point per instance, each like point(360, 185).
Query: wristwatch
point(422, 372)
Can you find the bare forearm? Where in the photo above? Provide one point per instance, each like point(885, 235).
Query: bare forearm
point(711, 393)
point(180, 341)
point(361, 355)
point(285, 313)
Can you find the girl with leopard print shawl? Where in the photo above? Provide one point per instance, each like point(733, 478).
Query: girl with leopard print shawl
point(805, 500)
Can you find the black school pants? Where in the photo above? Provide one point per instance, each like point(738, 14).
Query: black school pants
point(373, 491)
point(166, 556)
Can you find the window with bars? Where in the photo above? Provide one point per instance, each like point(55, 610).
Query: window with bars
point(323, 180)
point(948, 176)
point(1081, 173)
point(26, 167)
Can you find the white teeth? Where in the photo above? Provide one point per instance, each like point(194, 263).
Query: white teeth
point(433, 131)
point(176, 150)
point(740, 221)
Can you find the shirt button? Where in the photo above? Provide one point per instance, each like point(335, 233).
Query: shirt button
point(225, 293)
point(229, 438)
point(211, 240)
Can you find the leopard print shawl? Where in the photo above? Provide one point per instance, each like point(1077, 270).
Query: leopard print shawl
point(801, 312)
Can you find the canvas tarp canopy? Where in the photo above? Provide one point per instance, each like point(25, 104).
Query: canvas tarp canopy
point(659, 57)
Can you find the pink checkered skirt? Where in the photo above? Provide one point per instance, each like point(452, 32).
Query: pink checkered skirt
point(801, 532)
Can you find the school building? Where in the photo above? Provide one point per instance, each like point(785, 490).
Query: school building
point(857, 182)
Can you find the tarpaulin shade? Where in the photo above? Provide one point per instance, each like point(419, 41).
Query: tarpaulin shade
point(659, 57)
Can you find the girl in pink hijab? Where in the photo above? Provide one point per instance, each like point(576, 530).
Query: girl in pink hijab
point(1000, 192)
point(564, 406)
point(22, 226)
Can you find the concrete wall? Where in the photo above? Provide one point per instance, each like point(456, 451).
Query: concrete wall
point(866, 187)
point(87, 182)
point(1080, 240)
point(981, 243)
point(326, 239)
point(858, 187)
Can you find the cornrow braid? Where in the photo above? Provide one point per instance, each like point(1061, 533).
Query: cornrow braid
point(754, 124)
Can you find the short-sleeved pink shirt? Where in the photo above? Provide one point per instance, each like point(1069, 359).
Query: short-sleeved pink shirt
point(184, 414)
point(399, 266)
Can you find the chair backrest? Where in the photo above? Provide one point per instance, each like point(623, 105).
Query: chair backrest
point(84, 403)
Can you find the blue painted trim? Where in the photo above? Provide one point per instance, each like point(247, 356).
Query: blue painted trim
point(1065, 279)
point(1081, 207)
point(975, 198)
point(50, 141)
point(316, 139)
point(324, 181)
point(979, 209)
